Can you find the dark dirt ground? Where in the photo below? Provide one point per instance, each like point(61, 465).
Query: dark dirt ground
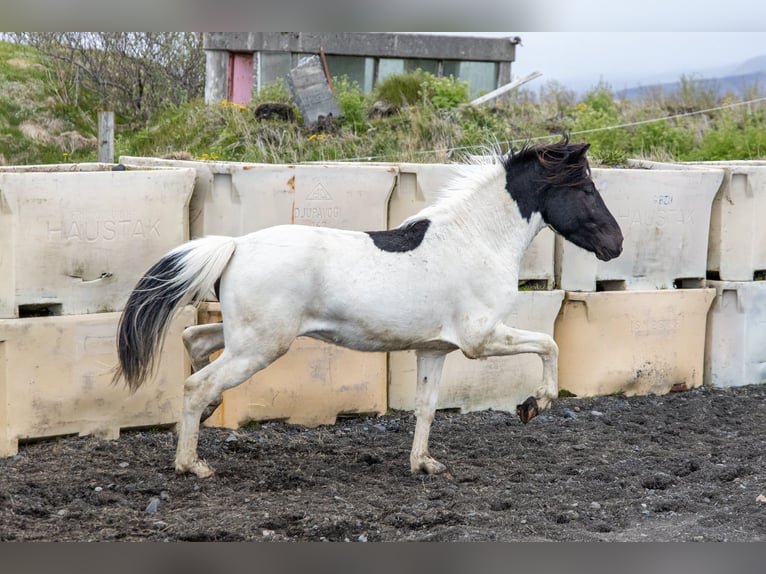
point(687, 466)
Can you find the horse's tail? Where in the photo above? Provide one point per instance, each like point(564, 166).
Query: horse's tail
point(185, 274)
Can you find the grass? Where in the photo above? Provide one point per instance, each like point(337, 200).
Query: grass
point(37, 124)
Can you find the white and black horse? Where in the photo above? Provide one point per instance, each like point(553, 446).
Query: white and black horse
point(445, 279)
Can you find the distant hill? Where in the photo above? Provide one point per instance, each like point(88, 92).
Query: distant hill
point(736, 80)
point(757, 64)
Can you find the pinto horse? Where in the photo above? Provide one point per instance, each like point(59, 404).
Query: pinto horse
point(445, 279)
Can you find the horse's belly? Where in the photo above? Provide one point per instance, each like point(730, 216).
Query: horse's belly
point(380, 340)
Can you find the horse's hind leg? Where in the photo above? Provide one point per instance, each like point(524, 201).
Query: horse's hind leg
point(201, 341)
point(236, 364)
point(429, 373)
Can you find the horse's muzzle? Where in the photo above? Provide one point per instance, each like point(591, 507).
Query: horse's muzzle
point(528, 410)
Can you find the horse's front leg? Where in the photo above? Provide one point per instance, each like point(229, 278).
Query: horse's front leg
point(429, 373)
point(505, 340)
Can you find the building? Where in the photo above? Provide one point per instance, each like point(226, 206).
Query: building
point(237, 62)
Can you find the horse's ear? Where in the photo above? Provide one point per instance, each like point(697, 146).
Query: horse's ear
point(580, 149)
point(578, 152)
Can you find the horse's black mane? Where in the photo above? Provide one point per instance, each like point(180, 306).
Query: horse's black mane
point(564, 164)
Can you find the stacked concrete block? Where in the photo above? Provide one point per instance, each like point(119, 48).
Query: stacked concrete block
point(636, 324)
point(214, 201)
point(737, 248)
point(632, 342)
point(664, 217)
point(74, 240)
point(56, 379)
point(736, 267)
point(736, 345)
point(499, 383)
point(735, 352)
point(313, 382)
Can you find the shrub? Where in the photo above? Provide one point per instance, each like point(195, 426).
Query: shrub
point(443, 93)
point(352, 103)
point(398, 90)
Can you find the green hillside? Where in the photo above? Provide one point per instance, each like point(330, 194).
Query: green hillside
point(41, 120)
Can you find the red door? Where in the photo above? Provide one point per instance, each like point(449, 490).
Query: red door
point(240, 84)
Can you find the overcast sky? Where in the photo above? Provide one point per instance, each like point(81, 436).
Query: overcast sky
point(616, 57)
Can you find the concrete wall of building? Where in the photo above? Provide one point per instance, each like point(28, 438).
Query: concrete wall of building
point(389, 45)
point(277, 52)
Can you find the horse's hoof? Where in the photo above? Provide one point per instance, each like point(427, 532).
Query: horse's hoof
point(199, 468)
point(427, 465)
point(528, 410)
point(208, 411)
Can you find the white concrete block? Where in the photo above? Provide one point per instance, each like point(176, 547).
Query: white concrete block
point(664, 217)
point(232, 198)
point(76, 241)
point(632, 342)
point(214, 208)
point(735, 351)
point(341, 196)
point(498, 383)
point(56, 379)
point(737, 243)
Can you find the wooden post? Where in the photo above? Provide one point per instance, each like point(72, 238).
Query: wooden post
point(106, 137)
point(326, 70)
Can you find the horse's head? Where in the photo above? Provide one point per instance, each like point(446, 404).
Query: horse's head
point(555, 181)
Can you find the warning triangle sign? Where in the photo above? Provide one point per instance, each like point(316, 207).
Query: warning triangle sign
point(319, 192)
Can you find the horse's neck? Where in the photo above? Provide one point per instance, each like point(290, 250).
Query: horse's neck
point(490, 219)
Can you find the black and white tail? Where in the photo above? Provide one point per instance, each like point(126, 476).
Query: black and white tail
point(186, 274)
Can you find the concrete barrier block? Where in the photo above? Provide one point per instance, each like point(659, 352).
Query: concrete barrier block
point(311, 385)
point(737, 242)
point(75, 241)
point(214, 205)
point(498, 383)
point(632, 342)
point(233, 198)
point(665, 219)
point(419, 185)
point(342, 196)
point(56, 372)
point(735, 349)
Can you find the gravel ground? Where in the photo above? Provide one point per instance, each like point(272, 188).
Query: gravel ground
point(688, 466)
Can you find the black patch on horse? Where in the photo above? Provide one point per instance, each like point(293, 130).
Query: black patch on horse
point(401, 239)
